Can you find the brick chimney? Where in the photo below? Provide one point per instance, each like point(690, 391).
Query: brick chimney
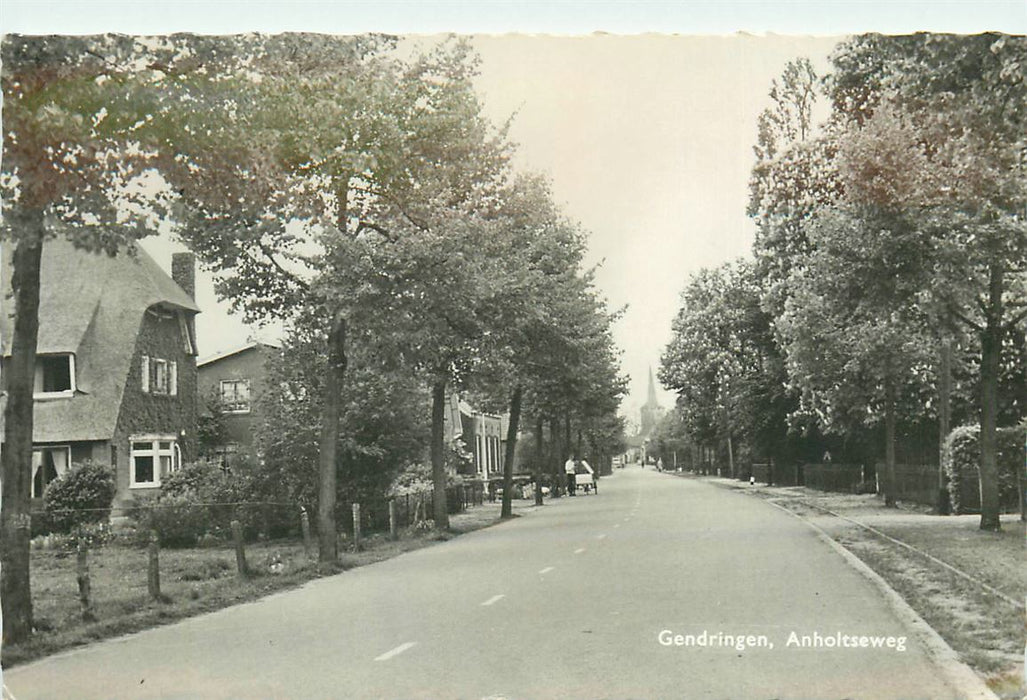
point(183, 271)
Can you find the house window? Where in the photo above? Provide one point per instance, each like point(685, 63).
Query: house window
point(235, 395)
point(159, 376)
point(55, 376)
point(152, 457)
point(48, 463)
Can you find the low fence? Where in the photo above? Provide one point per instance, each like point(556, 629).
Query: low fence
point(840, 478)
point(917, 483)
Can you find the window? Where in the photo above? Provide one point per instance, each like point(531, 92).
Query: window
point(55, 376)
point(235, 395)
point(151, 458)
point(159, 376)
point(48, 463)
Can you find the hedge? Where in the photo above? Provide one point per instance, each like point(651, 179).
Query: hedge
point(961, 456)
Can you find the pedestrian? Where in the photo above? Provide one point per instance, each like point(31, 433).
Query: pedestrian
point(568, 469)
point(659, 464)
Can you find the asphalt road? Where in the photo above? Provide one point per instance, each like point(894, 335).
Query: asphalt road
point(566, 602)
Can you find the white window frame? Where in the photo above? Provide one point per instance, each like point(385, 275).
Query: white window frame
point(227, 405)
point(63, 393)
point(40, 449)
point(156, 453)
point(151, 369)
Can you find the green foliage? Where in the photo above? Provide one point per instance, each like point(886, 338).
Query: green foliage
point(80, 497)
point(961, 456)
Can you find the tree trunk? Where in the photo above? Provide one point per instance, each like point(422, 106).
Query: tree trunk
point(328, 540)
point(991, 350)
point(944, 423)
point(889, 444)
point(15, 502)
point(538, 460)
point(511, 448)
point(555, 461)
point(730, 457)
point(438, 455)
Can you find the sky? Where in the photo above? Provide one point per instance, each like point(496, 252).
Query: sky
point(643, 115)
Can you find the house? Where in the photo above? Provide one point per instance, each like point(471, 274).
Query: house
point(234, 381)
point(116, 368)
point(483, 435)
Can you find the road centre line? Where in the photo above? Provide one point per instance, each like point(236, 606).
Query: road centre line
point(547, 569)
point(579, 550)
point(601, 537)
point(395, 652)
point(616, 526)
point(494, 599)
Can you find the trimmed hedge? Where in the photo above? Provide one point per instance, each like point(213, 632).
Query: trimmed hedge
point(961, 456)
point(79, 497)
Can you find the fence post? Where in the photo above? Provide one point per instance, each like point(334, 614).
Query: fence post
point(305, 527)
point(153, 570)
point(356, 526)
point(393, 534)
point(240, 552)
point(84, 585)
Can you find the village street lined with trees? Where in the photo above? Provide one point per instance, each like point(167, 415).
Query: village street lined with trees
point(881, 317)
point(358, 196)
point(352, 189)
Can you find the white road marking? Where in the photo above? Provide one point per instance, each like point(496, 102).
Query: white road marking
point(395, 652)
point(579, 550)
point(616, 526)
point(8, 694)
point(547, 569)
point(494, 598)
point(601, 537)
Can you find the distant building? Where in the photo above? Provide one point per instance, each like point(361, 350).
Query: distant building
point(116, 364)
point(649, 417)
point(483, 436)
point(234, 381)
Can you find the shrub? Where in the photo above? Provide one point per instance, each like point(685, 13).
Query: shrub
point(198, 503)
point(177, 520)
point(961, 456)
point(80, 497)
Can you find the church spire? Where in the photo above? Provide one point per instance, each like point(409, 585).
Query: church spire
point(651, 397)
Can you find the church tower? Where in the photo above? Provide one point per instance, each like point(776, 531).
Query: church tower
point(651, 410)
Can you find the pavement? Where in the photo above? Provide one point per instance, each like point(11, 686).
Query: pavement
point(657, 587)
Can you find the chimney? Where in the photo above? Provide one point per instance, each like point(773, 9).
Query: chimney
point(183, 271)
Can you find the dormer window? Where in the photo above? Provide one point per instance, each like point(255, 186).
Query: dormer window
point(159, 376)
point(55, 376)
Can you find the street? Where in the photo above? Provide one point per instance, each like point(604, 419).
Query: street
point(658, 587)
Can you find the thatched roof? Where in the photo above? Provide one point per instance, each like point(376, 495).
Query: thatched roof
point(91, 305)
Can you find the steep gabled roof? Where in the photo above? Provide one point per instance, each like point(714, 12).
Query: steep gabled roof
point(91, 305)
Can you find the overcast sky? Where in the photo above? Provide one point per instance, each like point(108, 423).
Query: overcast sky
point(647, 139)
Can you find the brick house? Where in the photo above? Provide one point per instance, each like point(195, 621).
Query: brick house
point(235, 380)
point(116, 368)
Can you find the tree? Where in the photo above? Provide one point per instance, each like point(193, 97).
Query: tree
point(71, 167)
point(965, 99)
point(333, 153)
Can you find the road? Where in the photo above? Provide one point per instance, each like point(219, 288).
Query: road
point(566, 602)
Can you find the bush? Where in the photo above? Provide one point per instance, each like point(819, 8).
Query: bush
point(961, 456)
point(199, 502)
point(177, 520)
point(80, 497)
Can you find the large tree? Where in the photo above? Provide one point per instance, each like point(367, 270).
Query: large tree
point(73, 167)
point(964, 99)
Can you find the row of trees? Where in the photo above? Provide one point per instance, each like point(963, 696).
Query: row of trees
point(888, 286)
point(347, 186)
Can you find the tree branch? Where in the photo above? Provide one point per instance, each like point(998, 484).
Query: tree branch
point(952, 309)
